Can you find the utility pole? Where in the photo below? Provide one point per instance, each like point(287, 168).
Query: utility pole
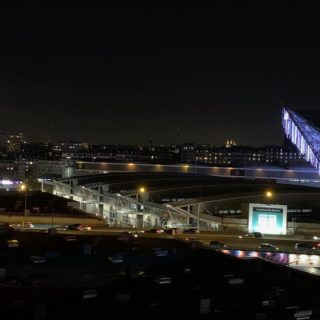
point(52, 210)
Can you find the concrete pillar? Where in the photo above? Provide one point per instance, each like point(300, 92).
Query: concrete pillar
point(139, 220)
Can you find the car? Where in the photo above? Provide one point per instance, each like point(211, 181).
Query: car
point(161, 252)
point(79, 227)
point(306, 246)
point(22, 226)
point(162, 279)
point(159, 231)
point(116, 259)
point(6, 228)
point(173, 231)
point(214, 244)
point(90, 294)
point(38, 259)
point(195, 243)
point(251, 235)
point(190, 231)
point(28, 224)
point(13, 243)
point(191, 239)
point(235, 281)
point(126, 236)
point(70, 238)
point(268, 247)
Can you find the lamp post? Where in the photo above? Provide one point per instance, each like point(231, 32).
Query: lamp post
point(269, 195)
point(23, 188)
point(52, 210)
point(141, 191)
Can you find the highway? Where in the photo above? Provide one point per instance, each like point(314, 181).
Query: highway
point(232, 241)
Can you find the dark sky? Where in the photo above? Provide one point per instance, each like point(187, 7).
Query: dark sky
point(166, 71)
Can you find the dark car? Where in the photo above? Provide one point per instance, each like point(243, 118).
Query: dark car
point(190, 231)
point(306, 246)
point(79, 227)
point(159, 231)
point(173, 231)
point(214, 244)
point(268, 247)
point(6, 228)
point(126, 236)
point(251, 235)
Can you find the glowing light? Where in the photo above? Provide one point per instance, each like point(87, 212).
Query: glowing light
point(239, 253)
point(314, 259)
point(253, 254)
point(269, 194)
point(142, 190)
point(6, 182)
point(303, 257)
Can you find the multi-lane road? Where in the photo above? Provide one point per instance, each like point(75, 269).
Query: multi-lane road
point(232, 241)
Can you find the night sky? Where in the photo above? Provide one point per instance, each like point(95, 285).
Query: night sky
point(167, 71)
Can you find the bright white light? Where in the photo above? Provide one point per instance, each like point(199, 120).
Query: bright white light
point(303, 257)
point(6, 182)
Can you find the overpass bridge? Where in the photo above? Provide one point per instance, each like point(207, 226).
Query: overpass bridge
point(127, 209)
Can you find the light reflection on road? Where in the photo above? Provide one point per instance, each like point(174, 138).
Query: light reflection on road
point(306, 262)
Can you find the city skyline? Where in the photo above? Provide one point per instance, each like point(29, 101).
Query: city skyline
point(129, 73)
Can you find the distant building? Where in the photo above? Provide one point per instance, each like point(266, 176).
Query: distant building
point(55, 168)
point(15, 142)
point(230, 143)
point(187, 152)
point(249, 156)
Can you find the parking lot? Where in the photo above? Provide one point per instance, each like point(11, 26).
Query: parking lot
point(83, 276)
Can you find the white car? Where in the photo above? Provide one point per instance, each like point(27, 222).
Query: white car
point(90, 294)
point(116, 259)
point(162, 279)
point(161, 252)
point(13, 243)
point(38, 259)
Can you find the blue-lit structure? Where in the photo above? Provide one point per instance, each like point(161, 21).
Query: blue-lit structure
point(303, 130)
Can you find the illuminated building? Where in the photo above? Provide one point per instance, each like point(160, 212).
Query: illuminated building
point(230, 143)
point(14, 142)
point(303, 130)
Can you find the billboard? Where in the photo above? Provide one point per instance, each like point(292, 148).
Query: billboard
point(267, 219)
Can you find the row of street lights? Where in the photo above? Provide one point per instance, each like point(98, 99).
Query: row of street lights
point(142, 190)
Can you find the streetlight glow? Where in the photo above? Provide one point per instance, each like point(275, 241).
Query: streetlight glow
point(269, 194)
point(142, 189)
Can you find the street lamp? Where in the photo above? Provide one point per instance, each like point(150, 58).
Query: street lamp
point(142, 190)
point(269, 195)
point(140, 193)
point(23, 188)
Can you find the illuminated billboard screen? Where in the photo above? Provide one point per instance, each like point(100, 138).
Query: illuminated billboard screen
point(267, 219)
